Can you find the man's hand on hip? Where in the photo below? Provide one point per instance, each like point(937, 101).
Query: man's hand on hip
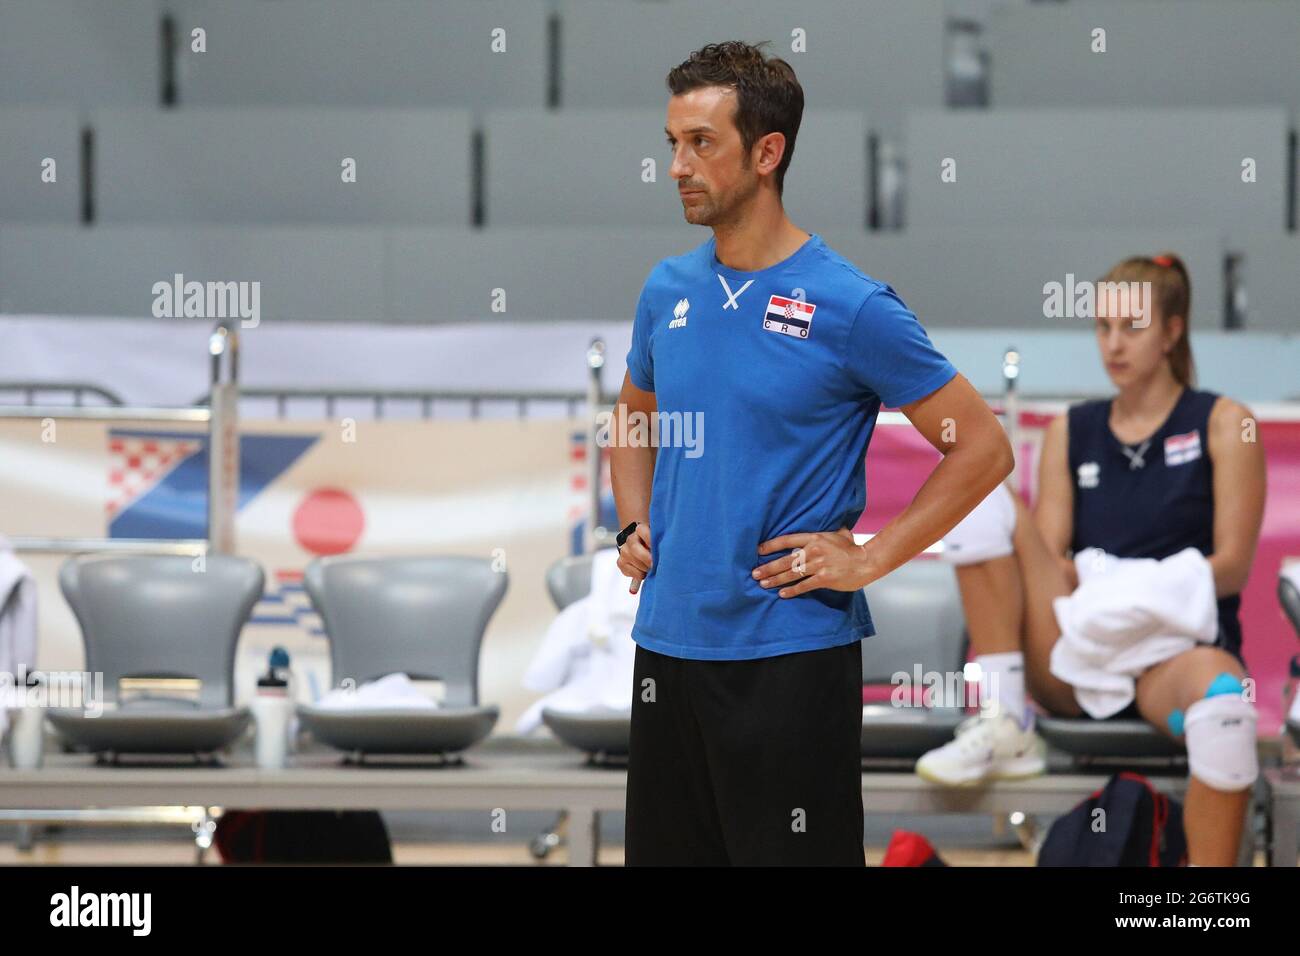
point(823, 559)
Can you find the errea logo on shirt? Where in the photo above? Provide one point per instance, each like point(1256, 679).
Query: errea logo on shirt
point(679, 314)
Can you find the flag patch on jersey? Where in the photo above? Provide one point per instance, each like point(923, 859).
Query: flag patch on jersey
point(789, 316)
point(1180, 449)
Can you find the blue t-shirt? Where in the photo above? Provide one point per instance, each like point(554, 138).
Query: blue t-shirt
point(767, 387)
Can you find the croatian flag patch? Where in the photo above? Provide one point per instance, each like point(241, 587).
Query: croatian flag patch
point(1180, 449)
point(789, 316)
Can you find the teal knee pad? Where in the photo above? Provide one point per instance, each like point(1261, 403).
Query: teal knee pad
point(1225, 683)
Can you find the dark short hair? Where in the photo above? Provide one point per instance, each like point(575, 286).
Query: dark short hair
point(769, 98)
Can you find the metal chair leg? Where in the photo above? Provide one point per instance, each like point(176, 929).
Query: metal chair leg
point(1027, 831)
point(205, 830)
point(25, 839)
point(549, 839)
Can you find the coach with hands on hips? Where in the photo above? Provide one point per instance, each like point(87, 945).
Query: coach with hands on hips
point(747, 697)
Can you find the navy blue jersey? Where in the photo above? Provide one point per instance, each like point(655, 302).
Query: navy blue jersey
point(1150, 499)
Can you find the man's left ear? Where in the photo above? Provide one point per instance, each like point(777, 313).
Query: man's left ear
point(771, 150)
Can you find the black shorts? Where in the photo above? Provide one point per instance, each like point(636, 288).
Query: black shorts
point(746, 763)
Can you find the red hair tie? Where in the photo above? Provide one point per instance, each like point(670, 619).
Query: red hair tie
point(1162, 260)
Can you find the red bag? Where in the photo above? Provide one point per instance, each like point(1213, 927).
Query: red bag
point(910, 849)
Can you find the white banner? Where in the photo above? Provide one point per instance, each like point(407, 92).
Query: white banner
point(165, 362)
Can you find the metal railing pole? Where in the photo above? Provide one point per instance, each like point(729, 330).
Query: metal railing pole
point(1011, 411)
point(223, 438)
point(596, 533)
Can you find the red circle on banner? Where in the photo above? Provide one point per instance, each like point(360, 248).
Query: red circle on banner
point(328, 521)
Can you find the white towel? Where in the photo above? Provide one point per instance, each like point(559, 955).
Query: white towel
point(1127, 615)
point(392, 690)
point(585, 661)
point(17, 624)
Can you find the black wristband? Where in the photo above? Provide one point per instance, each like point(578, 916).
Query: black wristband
point(623, 535)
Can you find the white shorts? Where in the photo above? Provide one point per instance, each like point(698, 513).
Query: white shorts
point(984, 533)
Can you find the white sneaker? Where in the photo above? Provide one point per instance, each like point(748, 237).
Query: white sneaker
point(985, 748)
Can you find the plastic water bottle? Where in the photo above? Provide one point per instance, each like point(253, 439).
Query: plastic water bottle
point(273, 712)
point(27, 733)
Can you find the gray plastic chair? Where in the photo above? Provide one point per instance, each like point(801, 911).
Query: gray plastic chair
point(1090, 741)
point(916, 610)
point(603, 736)
point(569, 580)
point(1288, 595)
point(422, 616)
point(156, 616)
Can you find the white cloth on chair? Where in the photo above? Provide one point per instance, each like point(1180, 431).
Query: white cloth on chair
point(17, 625)
point(1127, 615)
point(585, 661)
point(392, 690)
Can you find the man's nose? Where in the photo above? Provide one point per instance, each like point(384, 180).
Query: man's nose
point(679, 169)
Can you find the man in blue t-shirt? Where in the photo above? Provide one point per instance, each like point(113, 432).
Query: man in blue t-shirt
point(759, 362)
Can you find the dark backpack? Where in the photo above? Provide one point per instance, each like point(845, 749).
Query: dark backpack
point(303, 836)
point(1143, 827)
